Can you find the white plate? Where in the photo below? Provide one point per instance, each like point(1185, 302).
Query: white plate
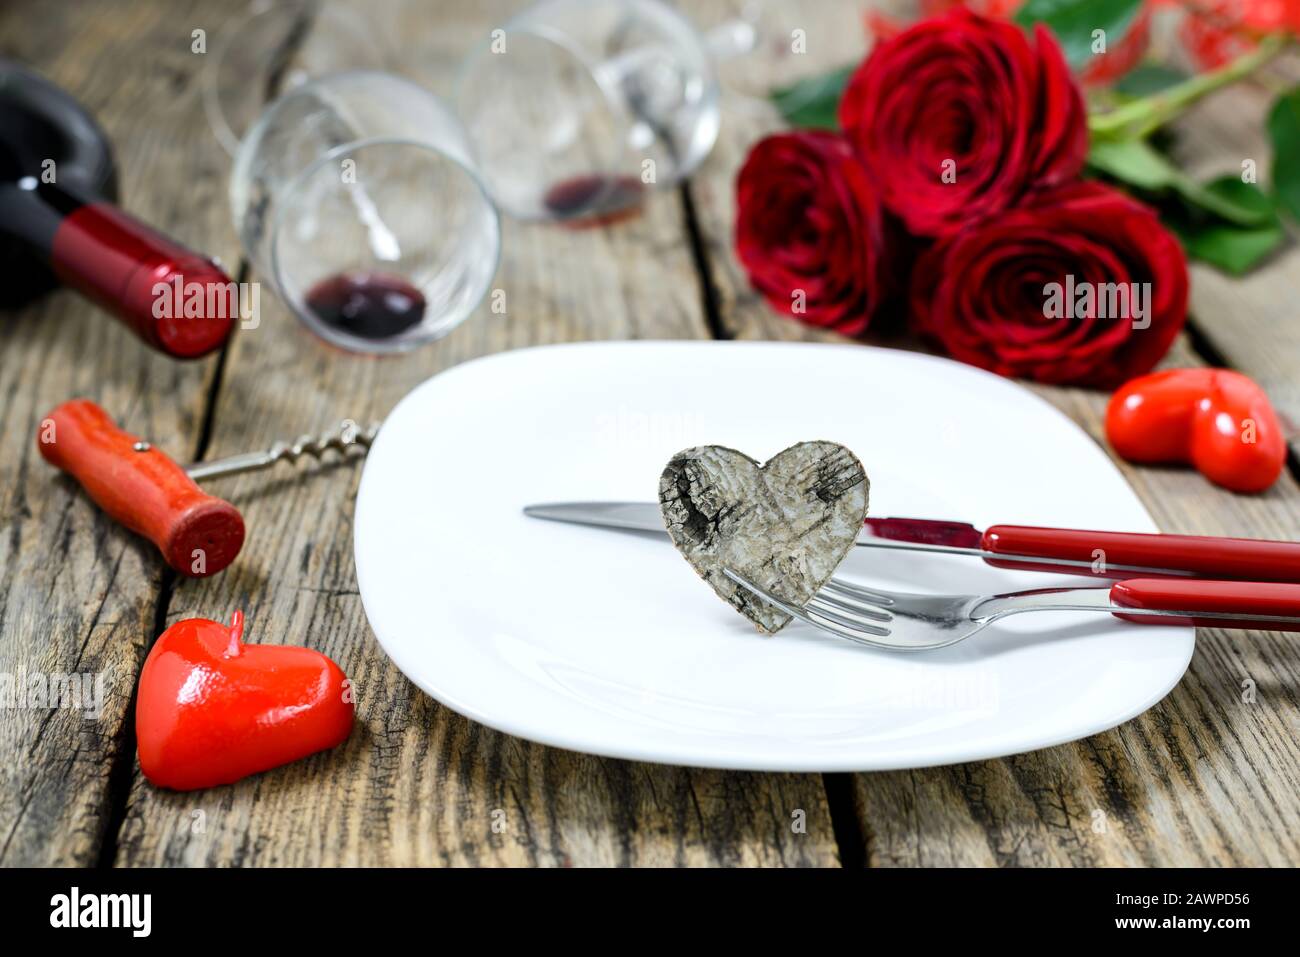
point(607, 642)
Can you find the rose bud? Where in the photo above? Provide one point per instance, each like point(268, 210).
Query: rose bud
point(1081, 285)
point(810, 230)
point(1105, 68)
point(960, 116)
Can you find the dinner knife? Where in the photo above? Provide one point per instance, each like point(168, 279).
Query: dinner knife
point(1099, 554)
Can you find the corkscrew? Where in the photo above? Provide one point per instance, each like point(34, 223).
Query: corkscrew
point(347, 436)
point(143, 489)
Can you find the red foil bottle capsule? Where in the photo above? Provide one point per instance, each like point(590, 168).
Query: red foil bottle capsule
point(134, 272)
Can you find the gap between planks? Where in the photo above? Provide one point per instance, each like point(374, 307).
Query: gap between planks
point(121, 775)
point(846, 823)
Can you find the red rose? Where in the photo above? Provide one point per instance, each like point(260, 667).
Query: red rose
point(961, 116)
point(810, 230)
point(1216, 31)
point(1104, 68)
point(1081, 285)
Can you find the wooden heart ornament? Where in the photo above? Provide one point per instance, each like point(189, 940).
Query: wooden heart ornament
point(784, 526)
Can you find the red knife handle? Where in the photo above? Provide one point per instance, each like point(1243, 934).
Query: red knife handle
point(142, 488)
point(1195, 556)
point(1206, 598)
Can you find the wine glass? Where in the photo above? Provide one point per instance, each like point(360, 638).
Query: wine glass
point(263, 51)
point(577, 108)
point(356, 195)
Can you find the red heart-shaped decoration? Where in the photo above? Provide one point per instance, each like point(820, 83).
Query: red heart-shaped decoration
point(212, 710)
point(1215, 419)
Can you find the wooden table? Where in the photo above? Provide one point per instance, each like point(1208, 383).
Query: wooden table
point(1210, 775)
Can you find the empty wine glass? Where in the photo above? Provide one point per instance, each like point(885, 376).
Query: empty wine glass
point(575, 108)
point(355, 194)
point(264, 50)
point(798, 43)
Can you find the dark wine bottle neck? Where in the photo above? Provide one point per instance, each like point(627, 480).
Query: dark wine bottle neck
point(32, 211)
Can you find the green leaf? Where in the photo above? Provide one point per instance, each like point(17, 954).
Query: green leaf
point(1234, 249)
point(1135, 162)
point(1244, 196)
point(813, 103)
point(1284, 131)
point(1222, 204)
point(1073, 22)
point(1147, 78)
point(1138, 163)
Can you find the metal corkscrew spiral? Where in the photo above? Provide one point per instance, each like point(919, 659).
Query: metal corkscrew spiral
point(346, 436)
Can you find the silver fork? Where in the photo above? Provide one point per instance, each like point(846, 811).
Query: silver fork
point(901, 621)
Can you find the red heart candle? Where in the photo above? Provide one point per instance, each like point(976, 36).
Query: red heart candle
point(212, 710)
point(1217, 420)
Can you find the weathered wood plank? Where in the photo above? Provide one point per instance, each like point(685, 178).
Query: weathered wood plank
point(1202, 778)
point(77, 593)
point(417, 783)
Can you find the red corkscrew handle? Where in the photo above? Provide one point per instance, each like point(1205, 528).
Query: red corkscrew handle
point(1105, 554)
point(142, 488)
point(1208, 601)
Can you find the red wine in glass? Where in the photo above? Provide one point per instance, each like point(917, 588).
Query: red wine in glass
point(369, 305)
point(595, 199)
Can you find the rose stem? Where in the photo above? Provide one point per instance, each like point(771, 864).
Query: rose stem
point(1137, 119)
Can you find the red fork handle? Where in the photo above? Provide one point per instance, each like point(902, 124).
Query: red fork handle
point(1100, 553)
point(142, 488)
point(1207, 601)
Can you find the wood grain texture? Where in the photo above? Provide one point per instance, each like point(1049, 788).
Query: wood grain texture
point(1202, 778)
point(417, 783)
point(77, 593)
